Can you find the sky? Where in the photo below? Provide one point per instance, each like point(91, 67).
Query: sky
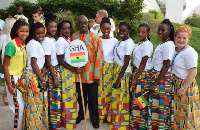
point(190, 5)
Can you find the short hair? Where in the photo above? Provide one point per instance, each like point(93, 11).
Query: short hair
point(183, 29)
point(34, 27)
point(16, 26)
point(103, 13)
point(91, 21)
point(127, 25)
point(35, 12)
point(146, 25)
point(61, 24)
point(105, 20)
point(20, 6)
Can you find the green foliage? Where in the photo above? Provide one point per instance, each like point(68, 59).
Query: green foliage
point(64, 15)
point(147, 16)
point(128, 10)
point(194, 20)
point(157, 14)
point(28, 8)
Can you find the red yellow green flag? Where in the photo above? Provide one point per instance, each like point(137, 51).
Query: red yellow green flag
point(20, 86)
point(141, 101)
point(77, 57)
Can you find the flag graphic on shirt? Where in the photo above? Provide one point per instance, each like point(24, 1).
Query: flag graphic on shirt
point(77, 57)
point(141, 101)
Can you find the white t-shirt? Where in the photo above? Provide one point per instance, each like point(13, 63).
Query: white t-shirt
point(184, 61)
point(163, 52)
point(112, 27)
point(124, 48)
point(1, 24)
point(144, 49)
point(49, 47)
point(34, 49)
point(108, 49)
point(61, 45)
point(3, 42)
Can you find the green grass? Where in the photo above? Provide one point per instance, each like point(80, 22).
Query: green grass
point(194, 39)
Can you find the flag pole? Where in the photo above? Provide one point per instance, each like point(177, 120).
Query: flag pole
point(81, 88)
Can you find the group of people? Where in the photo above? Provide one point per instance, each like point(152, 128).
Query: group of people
point(121, 85)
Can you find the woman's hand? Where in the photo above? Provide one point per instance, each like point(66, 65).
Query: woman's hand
point(11, 89)
point(181, 92)
point(153, 88)
point(77, 70)
point(133, 82)
point(118, 83)
point(56, 82)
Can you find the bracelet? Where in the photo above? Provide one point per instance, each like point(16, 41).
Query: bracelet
point(184, 90)
point(10, 85)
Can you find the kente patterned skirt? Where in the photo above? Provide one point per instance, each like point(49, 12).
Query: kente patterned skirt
point(69, 99)
point(138, 117)
point(118, 114)
point(105, 91)
point(54, 97)
point(160, 103)
point(186, 107)
point(36, 104)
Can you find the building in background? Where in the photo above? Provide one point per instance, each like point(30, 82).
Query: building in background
point(178, 10)
point(150, 4)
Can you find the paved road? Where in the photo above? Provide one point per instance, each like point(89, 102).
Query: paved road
point(5, 118)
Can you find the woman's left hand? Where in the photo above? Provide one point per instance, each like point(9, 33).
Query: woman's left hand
point(118, 83)
point(180, 92)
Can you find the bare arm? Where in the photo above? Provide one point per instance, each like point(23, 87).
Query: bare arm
point(163, 71)
point(6, 63)
point(140, 70)
point(37, 70)
point(124, 67)
point(50, 66)
point(190, 78)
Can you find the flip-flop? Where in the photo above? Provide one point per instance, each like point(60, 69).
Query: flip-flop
point(5, 102)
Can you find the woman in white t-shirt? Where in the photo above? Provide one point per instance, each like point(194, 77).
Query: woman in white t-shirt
point(4, 39)
point(118, 115)
point(160, 109)
point(186, 92)
point(53, 72)
point(35, 108)
point(67, 72)
point(105, 86)
point(140, 76)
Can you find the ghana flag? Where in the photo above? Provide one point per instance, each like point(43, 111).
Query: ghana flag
point(141, 101)
point(20, 86)
point(77, 57)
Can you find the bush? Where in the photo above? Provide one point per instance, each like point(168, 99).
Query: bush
point(157, 14)
point(194, 20)
point(148, 16)
point(128, 10)
point(28, 8)
point(67, 15)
